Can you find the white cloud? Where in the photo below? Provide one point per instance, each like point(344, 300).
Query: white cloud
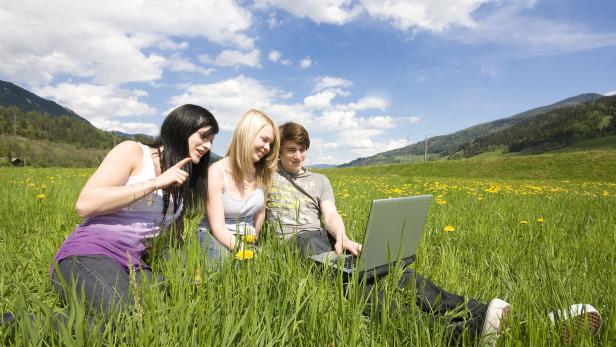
point(510, 24)
point(319, 11)
point(126, 127)
point(276, 57)
point(331, 82)
point(305, 63)
point(110, 42)
point(610, 93)
point(414, 119)
point(98, 101)
point(370, 102)
point(337, 124)
point(234, 58)
point(184, 65)
point(423, 14)
point(228, 100)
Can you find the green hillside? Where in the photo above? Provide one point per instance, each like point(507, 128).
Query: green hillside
point(449, 144)
point(593, 165)
point(15, 96)
point(551, 130)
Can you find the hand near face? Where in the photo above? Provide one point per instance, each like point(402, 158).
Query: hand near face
point(174, 176)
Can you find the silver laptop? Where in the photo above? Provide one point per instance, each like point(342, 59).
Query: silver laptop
point(392, 234)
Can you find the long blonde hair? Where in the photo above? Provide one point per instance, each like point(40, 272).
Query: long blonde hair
point(241, 150)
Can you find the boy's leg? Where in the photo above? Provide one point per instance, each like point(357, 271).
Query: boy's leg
point(313, 242)
point(432, 299)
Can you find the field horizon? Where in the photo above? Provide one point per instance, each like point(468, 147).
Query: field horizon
point(537, 234)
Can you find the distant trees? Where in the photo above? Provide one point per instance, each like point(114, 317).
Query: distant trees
point(46, 140)
point(551, 130)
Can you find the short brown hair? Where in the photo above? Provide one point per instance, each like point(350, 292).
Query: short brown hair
point(294, 132)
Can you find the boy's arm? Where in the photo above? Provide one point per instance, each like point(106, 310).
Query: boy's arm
point(335, 227)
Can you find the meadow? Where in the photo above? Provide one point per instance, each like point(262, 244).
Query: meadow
point(539, 244)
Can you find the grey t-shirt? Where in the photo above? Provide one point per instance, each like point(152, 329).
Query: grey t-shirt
point(291, 209)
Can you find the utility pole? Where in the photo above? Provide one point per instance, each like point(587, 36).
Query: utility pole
point(14, 124)
point(426, 148)
point(408, 157)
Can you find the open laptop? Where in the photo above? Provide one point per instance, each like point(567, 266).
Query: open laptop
point(392, 234)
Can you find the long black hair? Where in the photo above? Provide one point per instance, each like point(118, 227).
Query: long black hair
point(179, 125)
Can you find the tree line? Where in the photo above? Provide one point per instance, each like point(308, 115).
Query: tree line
point(551, 130)
point(44, 140)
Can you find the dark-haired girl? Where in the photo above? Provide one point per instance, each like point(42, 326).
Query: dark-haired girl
point(135, 194)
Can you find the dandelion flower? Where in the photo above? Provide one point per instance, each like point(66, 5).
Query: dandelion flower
point(197, 280)
point(250, 238)
point(449, 228)
point(40, 196)
point(244, 254)
point(541, 220)
point(605, 193)
point(523, 222)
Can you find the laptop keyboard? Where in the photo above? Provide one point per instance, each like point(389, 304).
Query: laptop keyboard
point(350, 261)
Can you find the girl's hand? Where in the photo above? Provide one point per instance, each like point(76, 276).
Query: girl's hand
point(174, 176)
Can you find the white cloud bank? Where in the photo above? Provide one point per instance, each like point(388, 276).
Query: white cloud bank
point(337, 125)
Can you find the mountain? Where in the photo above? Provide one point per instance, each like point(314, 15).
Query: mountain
point(12, 95)
point(554, 129)
point(448, 144)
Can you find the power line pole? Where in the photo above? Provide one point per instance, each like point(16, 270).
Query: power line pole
point(426, 148)
point(408, 157)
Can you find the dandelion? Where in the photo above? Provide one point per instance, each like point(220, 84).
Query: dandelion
point(523, 221)
point(541, 220)
point(441, 201)
point(605, 193)
point(40, 196)
point(197, 280)
point(244, 254)
point(250, 238)
point(449, 228)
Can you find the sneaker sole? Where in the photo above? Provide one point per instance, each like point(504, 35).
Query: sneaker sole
point(592, 320)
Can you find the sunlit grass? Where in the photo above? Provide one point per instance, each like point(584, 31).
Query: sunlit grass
point(536, 244)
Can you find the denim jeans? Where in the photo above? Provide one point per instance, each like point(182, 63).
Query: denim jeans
point(216, 252)
point(104, 282)
point(429, 297)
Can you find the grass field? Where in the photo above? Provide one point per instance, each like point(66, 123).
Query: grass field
point(538, 243)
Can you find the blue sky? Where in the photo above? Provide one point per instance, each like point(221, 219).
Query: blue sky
point(364, 76)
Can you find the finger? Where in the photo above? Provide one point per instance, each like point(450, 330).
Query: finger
point(182, 162)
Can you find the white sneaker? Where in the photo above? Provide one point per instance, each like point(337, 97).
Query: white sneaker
point(578, 316)
point(496, 316)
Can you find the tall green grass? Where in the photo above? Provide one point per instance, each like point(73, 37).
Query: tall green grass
point(564, 254)
point(596, 165)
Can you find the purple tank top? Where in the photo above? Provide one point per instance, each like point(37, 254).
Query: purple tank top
point(122, 235)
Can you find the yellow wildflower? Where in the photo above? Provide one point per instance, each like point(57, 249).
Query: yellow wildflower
point(250, 238)
point(244, 254)
point(449, 228)
point(197, 280)
point(605, 193)
point(541, 220)
point(40, 196)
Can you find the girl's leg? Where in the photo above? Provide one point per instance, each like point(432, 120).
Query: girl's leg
point(104, 282)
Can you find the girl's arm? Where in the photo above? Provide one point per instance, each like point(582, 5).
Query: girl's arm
point(214, 207)
point(259, 219)
point(105, 192)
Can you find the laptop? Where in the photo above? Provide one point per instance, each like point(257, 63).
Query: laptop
point(392, 235)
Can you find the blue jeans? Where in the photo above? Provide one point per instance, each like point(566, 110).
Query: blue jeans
point(104, 282)
point(216, 252)
point(429, 297)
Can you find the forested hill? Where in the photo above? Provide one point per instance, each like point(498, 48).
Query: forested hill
point(445, 145)
point(551, 130)
point(12, 95)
